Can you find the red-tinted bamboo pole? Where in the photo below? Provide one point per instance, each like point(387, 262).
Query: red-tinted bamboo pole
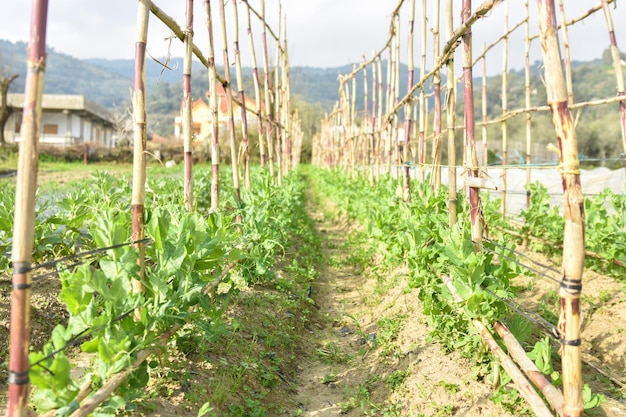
point(619, 75)
point(215, 138)
point(187, 116)
point(436, 153)
point(573, 211)
point(24, 217)
point(527, 98)
point(257, 88)
point(266, 87)
point(408, 109)
point(451, 120)
point(470, 143)
point(229, 106)
point(374, 149)
point(139, 139)
point(244, 156)
point(396, 98)
point(388, 97)
point(421, 151)
point(504, 125)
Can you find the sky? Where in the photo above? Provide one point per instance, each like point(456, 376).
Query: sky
point(320, 33)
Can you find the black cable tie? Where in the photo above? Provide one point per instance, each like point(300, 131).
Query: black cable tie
point(575, 342)
point(22, 267)
point(21, 286)
point(18, 378)
point(571, 285)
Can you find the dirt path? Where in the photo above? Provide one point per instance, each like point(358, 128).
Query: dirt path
point(370, 355)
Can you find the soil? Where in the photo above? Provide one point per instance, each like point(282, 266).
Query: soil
point(364, 349)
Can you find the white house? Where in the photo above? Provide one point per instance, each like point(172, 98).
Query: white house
point(65, 120)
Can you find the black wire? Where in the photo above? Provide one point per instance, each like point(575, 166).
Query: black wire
point(75, 339)
point(548, 267)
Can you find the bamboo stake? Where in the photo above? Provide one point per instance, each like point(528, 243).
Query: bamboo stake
point(187, 116)
point(450, 122)
point(379, 122)
point(552, 394)
point(286, 103)
point(396, 95)
point(244, 155)
point(470, 145)
point(436, 154)
point(484, 111)
point(527, 99)
point(257, 88)
point(215, 138)
point(408, 109)
point(229, 106)
point(140, 136)
point(619, 75)
point(24, 217)
point(277, 101)
point(568, 61)
point(573, 209)
point(373, 160)
point(388, 107)
point(266, 88)
point(505, 130)
point(421, 150)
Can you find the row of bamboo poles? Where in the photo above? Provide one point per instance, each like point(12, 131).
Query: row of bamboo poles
point(371, 146)
point(280, 140)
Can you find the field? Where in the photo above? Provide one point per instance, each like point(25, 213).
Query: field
point(326, 298)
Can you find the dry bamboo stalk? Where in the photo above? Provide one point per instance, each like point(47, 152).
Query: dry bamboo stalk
point(277, 101)
point(408, 109)
point(552, 394)
point(484, 111)
point(619, 75)
point(352, 127)
point(527, 99)
point(140, 136)
point(450, 122)
point(470, 144)
point(523, 386)
point(266, 88)
point(568, 61)
point(504, 126)
point(244, 156)
point(421, 148)
point(215, 139)
point(187, 116)
point(388, 95)
point(379, 121)
point(24, 215)
point(257, 87)
point(229, 106)
point(286, 104)
point(396, 95)
point(573, 209)
point(436, 154)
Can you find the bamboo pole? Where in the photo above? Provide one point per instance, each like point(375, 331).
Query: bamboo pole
point(436, 154)
point(550, 392)
point(215, 138)
point(396, 96)
point(379, 117)
point(24, 217)
point(277, 101)
point(257, 88)
point(268, 101)
point(450, 121)
point(373, 160)
point(243, 154)
point(286, 103)
point(573, 210)
point(504, 126)
point(568, 62)
point(619, 75)
point(229, 106)
point(527, 99)
point(388, 95)
point(470, 144)
point(421, 150)
point(484, 111)
point(408, 109)
point(187, 116)
point(140, 137)
point(353, 127)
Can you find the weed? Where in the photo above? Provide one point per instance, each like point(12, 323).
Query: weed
point(450, 387)
point(396, 379)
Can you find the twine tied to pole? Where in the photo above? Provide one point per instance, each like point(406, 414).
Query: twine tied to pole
point(572, 168)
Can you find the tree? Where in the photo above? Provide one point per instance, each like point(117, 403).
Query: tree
point(6, 78)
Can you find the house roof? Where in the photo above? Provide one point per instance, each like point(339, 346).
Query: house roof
point(62, 102)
